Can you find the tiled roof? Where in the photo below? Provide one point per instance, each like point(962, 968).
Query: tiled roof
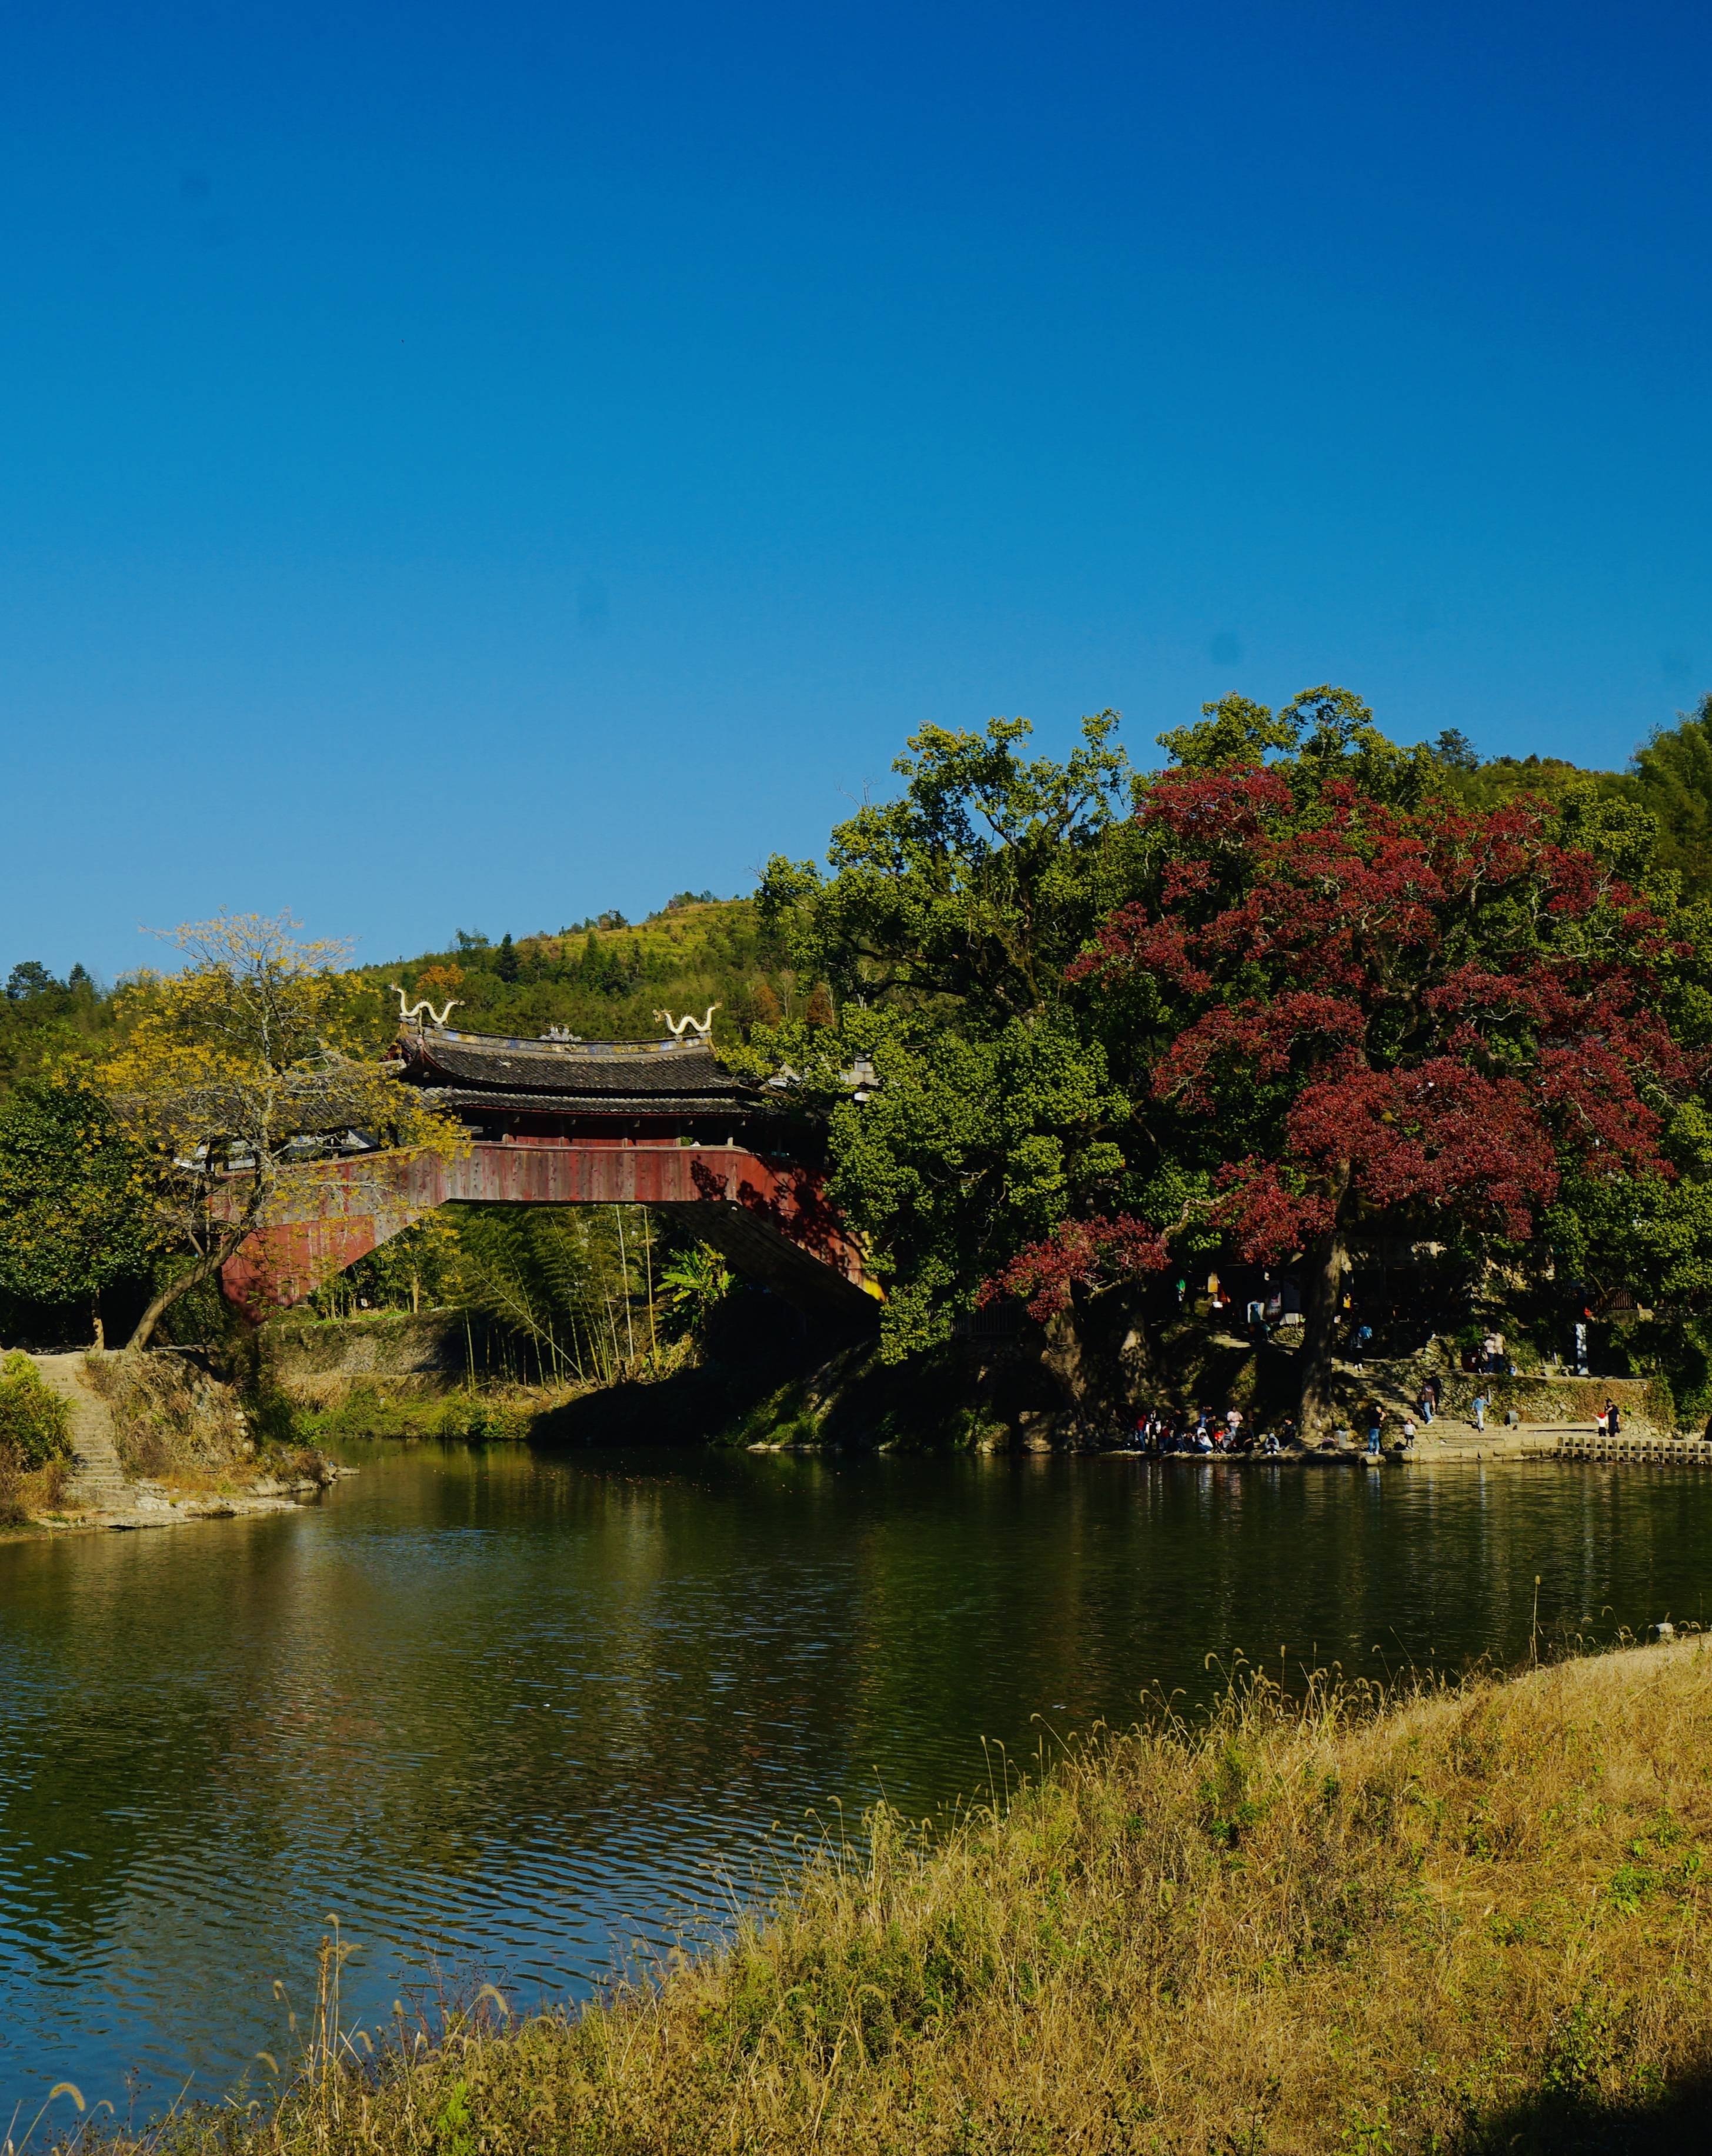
point(664, 1075)
point(473, 1100)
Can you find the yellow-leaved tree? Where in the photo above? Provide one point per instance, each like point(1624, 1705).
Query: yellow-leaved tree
point(257, 1058)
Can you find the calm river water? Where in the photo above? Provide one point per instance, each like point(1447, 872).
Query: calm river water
point(506, 1715)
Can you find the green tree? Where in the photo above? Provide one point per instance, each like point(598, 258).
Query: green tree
point(1673, 781)
point(967, 1108)
point(694, 1283)
point(971, 891)
point(74, 1212)
point(1453, 748)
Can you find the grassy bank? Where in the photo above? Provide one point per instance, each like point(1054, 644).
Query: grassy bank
point(1471, 1921)
point(501, 1415)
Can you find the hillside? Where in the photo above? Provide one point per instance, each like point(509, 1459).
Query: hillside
point(605, 979)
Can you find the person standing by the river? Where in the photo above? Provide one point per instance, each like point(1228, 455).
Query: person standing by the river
point(1613, 1417)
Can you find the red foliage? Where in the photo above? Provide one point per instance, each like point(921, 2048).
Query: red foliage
point(1078, 1251)
point(1439, 1007)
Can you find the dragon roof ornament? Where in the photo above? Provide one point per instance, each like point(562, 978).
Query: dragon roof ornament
point(701, 1027)
point(408, 1011)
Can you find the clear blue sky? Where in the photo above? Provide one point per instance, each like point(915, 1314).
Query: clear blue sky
point(470, 465)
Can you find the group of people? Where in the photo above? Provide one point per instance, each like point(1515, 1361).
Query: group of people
point(1164, 1431)
point(1207, 1431)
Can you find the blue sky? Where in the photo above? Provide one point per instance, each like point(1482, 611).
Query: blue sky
point(470, 466)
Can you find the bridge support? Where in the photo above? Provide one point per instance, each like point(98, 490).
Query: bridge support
point(768, 1218)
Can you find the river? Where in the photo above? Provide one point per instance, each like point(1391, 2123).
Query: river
point(507, 1716)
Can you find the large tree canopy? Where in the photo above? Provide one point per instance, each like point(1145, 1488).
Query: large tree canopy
point(236, 1069)
point(1348, 1012)
point(944, 931)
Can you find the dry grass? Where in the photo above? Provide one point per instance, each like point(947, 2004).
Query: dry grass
point(171, 1420)
point(1472, 1921)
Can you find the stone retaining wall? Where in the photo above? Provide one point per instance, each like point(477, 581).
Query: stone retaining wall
point(320, 1364)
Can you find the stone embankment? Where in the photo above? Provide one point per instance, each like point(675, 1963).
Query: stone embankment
point(102, 1493)
point(391, 1355)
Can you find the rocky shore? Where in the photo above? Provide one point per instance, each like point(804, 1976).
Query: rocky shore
point(158, 1442)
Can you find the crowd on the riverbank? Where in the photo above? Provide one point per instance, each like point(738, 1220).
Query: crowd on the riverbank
point(1206, 1430)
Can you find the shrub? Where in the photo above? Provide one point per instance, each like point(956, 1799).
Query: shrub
point(14, 1511)
point(34, 1422)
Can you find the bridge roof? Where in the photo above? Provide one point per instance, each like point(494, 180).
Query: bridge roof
point(585, 1077)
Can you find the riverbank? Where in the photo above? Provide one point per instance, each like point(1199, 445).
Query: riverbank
point(150, 1440)
point(395, 1374)
point(1474, 1920)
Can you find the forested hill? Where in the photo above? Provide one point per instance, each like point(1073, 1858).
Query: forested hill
point(1670, 777)
point(605, 979)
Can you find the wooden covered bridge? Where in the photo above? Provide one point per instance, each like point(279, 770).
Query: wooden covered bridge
point(561, 1122)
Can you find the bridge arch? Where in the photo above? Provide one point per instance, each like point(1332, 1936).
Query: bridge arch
point(559, 1122)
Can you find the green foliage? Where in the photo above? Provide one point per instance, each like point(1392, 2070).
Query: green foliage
point(1455, 751)
point(74, 1210)
point(580, 1285)
point(44, 1021)
point(415, 1270)
point(1674, 780)
point(946, 926)
point(971, 1145)
point(694, 1284)
point(34, 1421)
point(975, 887)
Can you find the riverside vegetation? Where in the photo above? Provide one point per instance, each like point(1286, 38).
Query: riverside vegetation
point(35, 1443)
point(1399, 1027)
point(1465, 1918)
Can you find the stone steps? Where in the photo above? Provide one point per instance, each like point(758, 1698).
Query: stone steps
point(1667, 1452)
point(100, 1482)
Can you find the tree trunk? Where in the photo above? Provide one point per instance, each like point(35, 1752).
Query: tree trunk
point(100, 1329)
point(1069, 1360)
point(1324, 1269)
point(167, 1295)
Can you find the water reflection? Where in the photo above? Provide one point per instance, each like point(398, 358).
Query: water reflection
point(508, 1714)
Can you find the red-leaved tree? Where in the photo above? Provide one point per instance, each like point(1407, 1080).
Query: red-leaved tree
point(1369, 1012)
